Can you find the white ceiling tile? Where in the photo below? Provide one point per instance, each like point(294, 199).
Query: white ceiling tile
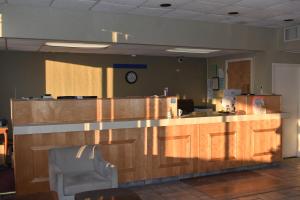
point(70, 50)
point(199, 6)
point(149, 11)
point(285, 16)
point(238, 20)
point(233, 8)
point(156, 3)
point(23, 48)
point(182, 14)
point(212, 17)
point(258, 14)
point(24, 44)
point(111, 7)
point(264, 23)
point(74, 4)
point(224, 2)
point(283, 8)
point(123, 49)
point(30, 2)
point(126, 2)
point(258, 3)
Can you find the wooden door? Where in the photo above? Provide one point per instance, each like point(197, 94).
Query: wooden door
point(239, 75)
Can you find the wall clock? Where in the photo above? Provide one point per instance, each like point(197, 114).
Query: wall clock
point(131, 77)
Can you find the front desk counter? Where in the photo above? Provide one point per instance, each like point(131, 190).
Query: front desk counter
point(149, 149)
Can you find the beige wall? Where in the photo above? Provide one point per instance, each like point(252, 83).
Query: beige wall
point(61, 24)
point(262, 68)
point(24, 72)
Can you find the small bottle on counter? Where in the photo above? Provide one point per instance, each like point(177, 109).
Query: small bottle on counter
point(166, 91)
point(261, 91)
point(169, 113)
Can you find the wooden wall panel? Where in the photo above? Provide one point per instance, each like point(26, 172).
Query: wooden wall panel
point(244, 104)
point(69, 79)
point(53, 111)
point(91, 110)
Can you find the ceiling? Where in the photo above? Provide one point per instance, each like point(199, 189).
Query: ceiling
point(263, 13)
point(120, 49)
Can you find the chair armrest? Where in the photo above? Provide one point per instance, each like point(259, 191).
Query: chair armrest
point(60, 184)
point(108, 170)
point(54, 172)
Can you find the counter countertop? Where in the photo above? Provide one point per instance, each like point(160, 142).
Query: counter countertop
point(192, 119)
point(129, 97)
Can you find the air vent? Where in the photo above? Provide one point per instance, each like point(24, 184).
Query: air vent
point(292, 33)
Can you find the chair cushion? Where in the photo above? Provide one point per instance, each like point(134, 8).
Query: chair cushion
point(76, 182)
point(72, 159)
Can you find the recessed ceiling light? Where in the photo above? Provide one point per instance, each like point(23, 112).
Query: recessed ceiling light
point(165, 5)
point(288, 20)
point(233, 13)
point(76, 45)
point(188, 50)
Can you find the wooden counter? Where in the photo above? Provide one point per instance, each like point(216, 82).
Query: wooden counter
point(244, 103)
point(87, 110)
point(154, 149)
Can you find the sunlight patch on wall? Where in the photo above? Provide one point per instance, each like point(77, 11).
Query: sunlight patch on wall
point(1, 25)
point(68, 79)
point(116, 34)
point(110, 82)
point(114, 37)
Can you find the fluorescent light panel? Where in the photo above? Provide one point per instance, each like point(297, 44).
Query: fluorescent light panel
point(76, 45)
point(188, 50)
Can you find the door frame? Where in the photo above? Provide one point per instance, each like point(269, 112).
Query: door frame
point(251, 59)
point(273, 83)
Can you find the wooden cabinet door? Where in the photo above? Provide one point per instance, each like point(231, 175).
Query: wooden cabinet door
point(239, 75)
point(265, 141)
point(220, 147)
point(172, 150)
point(125, 148)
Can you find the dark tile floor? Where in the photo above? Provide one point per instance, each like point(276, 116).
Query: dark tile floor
point(280, 182)
point(7, 183)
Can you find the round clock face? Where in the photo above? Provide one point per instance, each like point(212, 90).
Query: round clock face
point(131, 77)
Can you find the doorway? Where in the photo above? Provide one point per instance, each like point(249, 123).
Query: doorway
point(285, 81)
point(239, 74)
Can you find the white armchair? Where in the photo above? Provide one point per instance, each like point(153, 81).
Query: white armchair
point(78, 169)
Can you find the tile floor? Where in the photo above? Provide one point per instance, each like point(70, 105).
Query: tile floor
point(274, 183)
point(280, 182)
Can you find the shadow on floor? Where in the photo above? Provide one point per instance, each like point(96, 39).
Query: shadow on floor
point(273, 183)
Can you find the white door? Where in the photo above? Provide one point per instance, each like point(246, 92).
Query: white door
point(285, 81)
